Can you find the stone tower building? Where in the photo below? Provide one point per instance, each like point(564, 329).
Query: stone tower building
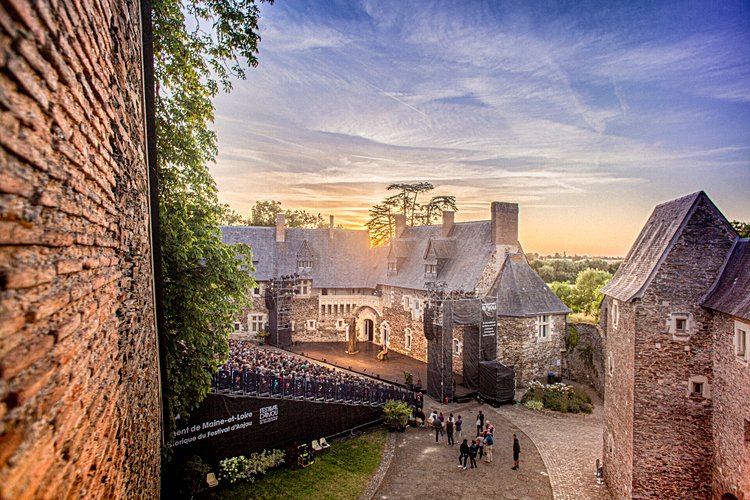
point(661, 380)
point(79, 380)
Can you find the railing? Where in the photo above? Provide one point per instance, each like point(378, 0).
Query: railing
point(344, 305)
point(251, 383)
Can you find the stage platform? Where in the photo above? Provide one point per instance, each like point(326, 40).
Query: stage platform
point(365, 362)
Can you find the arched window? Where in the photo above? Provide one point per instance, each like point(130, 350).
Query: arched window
point(407, 339)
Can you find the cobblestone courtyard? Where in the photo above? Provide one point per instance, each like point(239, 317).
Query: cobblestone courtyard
point(558, 457)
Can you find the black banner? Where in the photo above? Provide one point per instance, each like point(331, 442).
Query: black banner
point(226, 426)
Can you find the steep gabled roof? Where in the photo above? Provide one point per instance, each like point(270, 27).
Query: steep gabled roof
point(731, 292)
point(651, 247)
point(521, 292)
point(344, 261)
point(470, 254)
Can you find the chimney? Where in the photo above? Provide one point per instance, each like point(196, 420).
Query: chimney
point(504, 223)
point(280, 228)
point(330, 229)
point(448, 218)
point(400, 224)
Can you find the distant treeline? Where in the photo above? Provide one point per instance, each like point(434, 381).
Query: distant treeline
point(567, 270)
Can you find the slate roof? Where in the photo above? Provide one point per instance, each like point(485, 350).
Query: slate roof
point(346, 261)
point(651, 247)
point(731, 293)
point(521, 292)
point(471, 253)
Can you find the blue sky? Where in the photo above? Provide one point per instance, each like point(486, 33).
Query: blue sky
point(585, 113)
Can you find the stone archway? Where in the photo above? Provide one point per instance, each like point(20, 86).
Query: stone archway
point(367, 320)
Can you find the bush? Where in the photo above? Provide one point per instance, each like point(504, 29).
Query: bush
point(557, 397)
point(242, 468)
point(534, 405)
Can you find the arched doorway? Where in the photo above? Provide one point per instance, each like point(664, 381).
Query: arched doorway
point(369, 330)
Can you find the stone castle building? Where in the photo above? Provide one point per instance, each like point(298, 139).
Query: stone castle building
point(80, 413)
point(677, 393)
point(383, 291)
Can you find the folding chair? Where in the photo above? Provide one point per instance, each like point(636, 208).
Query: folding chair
point(316, 447)
point(324, 444)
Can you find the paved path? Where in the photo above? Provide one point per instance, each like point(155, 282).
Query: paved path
point(569, 445)
point(558, 454)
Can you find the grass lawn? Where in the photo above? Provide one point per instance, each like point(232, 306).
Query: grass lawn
point(340, 473)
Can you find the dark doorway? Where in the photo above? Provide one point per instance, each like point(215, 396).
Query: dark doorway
point(369, 330)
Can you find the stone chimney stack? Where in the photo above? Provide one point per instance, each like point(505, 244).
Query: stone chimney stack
point(448, 218)
point(280, 228)
point(330, 229)
point(400, 224)
point(504, 223)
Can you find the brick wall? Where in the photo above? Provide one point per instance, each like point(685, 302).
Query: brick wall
point(519, 346)
point(673, 431)
point(731, 399)
point(79, 390)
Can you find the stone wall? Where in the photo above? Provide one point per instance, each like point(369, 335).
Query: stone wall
point(585, 362)
point(731, 399)
point(79, 380)
point(399, 320)
point(519, 346)
point(672, 429)
point(618, 397)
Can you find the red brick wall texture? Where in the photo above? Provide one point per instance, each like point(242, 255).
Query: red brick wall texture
point(79, 387)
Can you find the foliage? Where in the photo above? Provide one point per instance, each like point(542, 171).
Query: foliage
point(587, 354)
point(243, 468)
point(742, 228)
point(572, 338)
point(381, 223)
point(408, 377)
point(264, 213)
point(534, 404)
point(396, 413)
point(205, 281)
point(342, 473)
point(557, 397)
point(564, 291)
point(567, 270)
point(194, 473)
point(586, 295)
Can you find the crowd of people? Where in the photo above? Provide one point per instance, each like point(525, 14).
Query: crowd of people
point(481, 445)
point(245, 355)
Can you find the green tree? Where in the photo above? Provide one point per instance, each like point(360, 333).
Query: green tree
point(264, 213)
point(205, 282)
point(381, 223)
point(564, 292)
point(742, 228)
point(547, 273)
point(586, 295)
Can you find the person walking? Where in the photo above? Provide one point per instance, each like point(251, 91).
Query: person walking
point(480, 423)
point(459, 424)
point(464, 449)
point(449, 430)
point(516, 452)
point(438, 426)
point(488, 441)
point(473, 453)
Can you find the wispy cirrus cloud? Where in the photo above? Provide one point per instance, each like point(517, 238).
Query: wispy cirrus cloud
point(521, 102)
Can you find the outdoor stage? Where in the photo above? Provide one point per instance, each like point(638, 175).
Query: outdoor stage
point(365, 362)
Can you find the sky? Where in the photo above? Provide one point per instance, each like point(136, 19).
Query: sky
point(586, 114)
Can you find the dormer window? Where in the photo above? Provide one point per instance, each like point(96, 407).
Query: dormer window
point(304, 265)
point(430, 268)
point(392, 266)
